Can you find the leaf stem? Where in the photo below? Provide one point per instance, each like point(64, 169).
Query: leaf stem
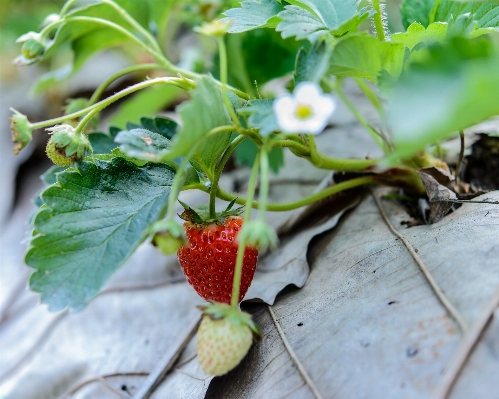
point(242, 244)
point(179, 82)
point(85, 120)
point(125, 71)
point(264, 183)
point(218, 172)
point(289, 206)
point(369, 93)
point(132, 21)
point(378, 20)
point(66, 7)
point(222, 50)
point(433, 12)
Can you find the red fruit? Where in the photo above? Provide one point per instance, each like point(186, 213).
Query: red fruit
point(209, 258)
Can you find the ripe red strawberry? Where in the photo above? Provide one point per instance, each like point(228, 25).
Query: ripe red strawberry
point(209, 259)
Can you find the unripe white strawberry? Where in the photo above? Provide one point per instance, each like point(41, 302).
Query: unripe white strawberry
point(224, 338)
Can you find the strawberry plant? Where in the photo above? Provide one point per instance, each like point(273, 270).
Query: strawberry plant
point(115, 191)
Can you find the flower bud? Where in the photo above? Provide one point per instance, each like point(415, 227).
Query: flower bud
point(258, 234)
point(66, 147)
point(33, 48)
point(21, 131)
point(216, 28)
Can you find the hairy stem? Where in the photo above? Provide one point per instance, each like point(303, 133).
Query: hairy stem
point(378, 20)
point(125, 71)
point(289, 206)
point(264, 183)
point(222, 50)
point(234, 301)
point(106, 102)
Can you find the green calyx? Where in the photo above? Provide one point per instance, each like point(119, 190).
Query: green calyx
point(32, 49)
point(21, 131)
point(168, 236)
point(68, 144)
point(219, 311)
point(201, 214)
point(258, 234)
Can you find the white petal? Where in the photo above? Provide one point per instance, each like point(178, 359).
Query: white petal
point(284, 110)
point(307, 92)
point(325, 106)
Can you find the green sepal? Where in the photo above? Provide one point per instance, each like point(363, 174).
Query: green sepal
point(201, 214)
point(21, 131)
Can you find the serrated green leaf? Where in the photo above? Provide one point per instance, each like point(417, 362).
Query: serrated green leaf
point(300, 23)
point(417, 33)
point(452, 86)
point(311, 19)
point(261, 115)
point(416, 11)
point(364, 56)
point(312, 65)
point(143, 144)
point(253, 14)
point(103, 143)
point(204, 112)
point(92, 221)
point(485, 13)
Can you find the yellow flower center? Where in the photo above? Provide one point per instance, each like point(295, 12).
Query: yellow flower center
point(303, 111)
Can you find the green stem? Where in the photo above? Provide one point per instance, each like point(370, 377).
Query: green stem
point(297, 148)
point(378, 20)
point(369, 93)
point(85, 120)
point(323, 162)
point(127, 17)
point(242, 244)
point(222, 50)
point(374, 134)
point(125, 71)
point(158, 56)
point(433, 12)
point(66, 7)
point(218, 172)
point(289, 206)
point(179, 82)
point(264, 183)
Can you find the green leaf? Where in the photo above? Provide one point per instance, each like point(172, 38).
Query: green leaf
point(311, 66)
point(246, 152)
point(301, 23)
point(103, 143)
point(416, 11)
point(452, 86)
point(92, 221)
point(261, 115)
point(147, 102)
point(417, 33)
point(311, 19)
point(485, 13)
point(204, 112)
point(253, 14)
point(143, 144)
point(364, 56)
point(164, 126)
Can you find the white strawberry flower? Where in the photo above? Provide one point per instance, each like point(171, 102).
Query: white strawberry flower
point(307, 110)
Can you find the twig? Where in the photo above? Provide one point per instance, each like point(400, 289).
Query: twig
point(465, 348)
point(76, 387)
point(111, 388)
point(461, 156)
point(184, 362)
point(463, 325)
point(293, 356)
point(165, 365)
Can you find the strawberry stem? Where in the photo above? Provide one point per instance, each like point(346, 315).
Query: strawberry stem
point(242, 244)
point(222, 50)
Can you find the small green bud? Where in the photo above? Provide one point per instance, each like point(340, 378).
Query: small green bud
point(33, 47)
point(66, 147)
point(216, 28)
point(50, 19)
point(258, 234)
point(169, 236)
point(21, 131)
